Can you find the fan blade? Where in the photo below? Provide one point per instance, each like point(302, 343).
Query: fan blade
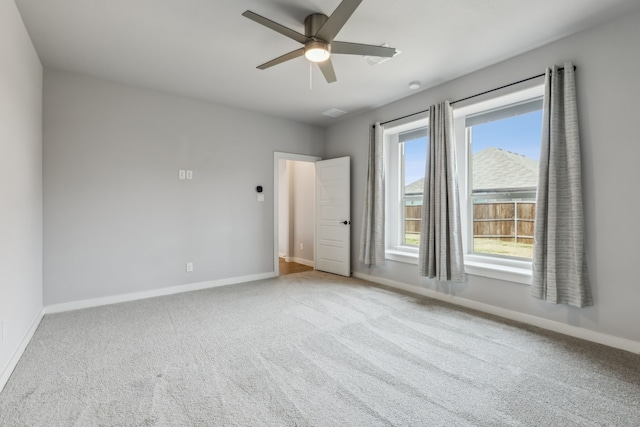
point(300, 38)
point(279, 60)
point(362, 49)
point(336, 21)
point(327, 70)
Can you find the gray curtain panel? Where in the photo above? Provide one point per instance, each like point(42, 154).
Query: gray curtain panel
point(559, 262)
point(441, 255)
point(372, 244)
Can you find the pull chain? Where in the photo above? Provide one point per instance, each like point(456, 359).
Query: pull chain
point(310, 76)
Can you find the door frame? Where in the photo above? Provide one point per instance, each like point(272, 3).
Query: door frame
point(277, 156)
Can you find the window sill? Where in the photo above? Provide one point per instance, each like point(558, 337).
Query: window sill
point(502, 269)
point(507, 270)
point(405, 256)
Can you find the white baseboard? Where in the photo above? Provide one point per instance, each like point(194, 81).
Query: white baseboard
point(96, 302)
point(552, 325)
point(6, 372)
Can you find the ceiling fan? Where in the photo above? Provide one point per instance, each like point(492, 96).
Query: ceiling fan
point(319, 32)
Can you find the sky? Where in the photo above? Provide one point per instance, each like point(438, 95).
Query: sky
point(519, 134)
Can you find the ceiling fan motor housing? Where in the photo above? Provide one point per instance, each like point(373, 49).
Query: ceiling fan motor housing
point(313, 23)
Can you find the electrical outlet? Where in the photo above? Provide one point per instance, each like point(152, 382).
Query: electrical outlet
point(189, 174)
point(301, 247)
point(182, 174)
point(189, 267)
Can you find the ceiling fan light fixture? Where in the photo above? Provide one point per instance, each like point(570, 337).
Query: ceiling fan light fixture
point(317, 51)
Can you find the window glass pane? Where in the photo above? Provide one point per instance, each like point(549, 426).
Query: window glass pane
point(503, 179)
point(414, 155)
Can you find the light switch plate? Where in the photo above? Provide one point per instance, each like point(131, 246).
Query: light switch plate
point(189, 174)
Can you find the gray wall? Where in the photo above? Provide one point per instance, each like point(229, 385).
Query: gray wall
point(607, 80)
point(20, 181)
point(118, 220)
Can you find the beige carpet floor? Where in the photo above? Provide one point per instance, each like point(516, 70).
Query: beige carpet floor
point(312, 349)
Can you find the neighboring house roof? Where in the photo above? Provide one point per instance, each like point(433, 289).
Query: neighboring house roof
point(493, 169)
point(415, 187)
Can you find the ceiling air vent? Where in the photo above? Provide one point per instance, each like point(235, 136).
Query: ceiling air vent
point(377, 60)
point(334, 112)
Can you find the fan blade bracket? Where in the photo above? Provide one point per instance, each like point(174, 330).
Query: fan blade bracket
point(336, 21)
point(285, 31)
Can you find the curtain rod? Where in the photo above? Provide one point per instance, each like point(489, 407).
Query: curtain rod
point(474, 96)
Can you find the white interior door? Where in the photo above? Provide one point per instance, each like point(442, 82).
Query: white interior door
point(333, 216)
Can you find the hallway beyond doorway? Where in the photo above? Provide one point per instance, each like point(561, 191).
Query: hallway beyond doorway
point(292, 267)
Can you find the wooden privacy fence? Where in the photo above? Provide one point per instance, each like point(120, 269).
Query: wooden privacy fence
point(510, 221)
point(506, 221)
point(412, 217)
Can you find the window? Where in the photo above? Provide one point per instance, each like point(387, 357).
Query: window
point(413, 161)
point(406, 155)
point(503, 145)
point(498, 144)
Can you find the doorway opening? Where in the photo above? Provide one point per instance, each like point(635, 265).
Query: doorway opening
point(292, 267)
point(294, 212)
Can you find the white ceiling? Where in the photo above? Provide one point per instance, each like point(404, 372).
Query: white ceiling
point(205, 49)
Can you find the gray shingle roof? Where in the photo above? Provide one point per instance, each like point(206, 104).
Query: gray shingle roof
point(415, 187)
point(494, 169)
